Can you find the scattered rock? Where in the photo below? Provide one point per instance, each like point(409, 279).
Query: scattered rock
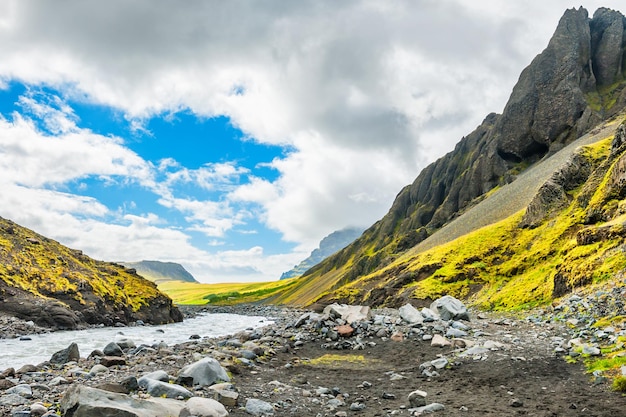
point(66, 355)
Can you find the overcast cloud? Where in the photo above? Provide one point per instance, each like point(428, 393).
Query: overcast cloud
point(363, 94)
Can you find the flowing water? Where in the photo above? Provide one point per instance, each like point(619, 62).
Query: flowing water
point(40, 347)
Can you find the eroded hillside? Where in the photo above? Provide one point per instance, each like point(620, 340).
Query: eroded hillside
point(44, 281)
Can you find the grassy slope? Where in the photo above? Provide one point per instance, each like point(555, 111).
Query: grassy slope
point(46, 268)
point(189, 293)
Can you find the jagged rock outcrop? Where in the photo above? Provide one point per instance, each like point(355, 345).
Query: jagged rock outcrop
point(575, 83)
point(552, 195)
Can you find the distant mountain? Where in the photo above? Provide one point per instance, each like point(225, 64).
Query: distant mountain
point(515, 215)
point(159, 272)
point(328, 246)
point(55, 286)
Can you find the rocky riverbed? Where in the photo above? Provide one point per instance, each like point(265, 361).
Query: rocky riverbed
point(342, 362)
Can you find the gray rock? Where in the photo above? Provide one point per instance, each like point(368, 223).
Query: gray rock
point(96, 369)
point(206, 371)
point(439, 363)
point(429, 315)
point(158, 375)
point(258, 407)
point(203, 407)
point(410, 314)
point(22, 390)
point(13, 400)
point(113, 349)
point(163, 389)
point(357, 406)
point(91, 402)
point(38, 409)
point(66, 355)
point(449, 308)
point(591, 350)
point(427, 409)
point(417, 398)
point(452, 333)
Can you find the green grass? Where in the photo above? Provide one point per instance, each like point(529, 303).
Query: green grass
point(190, 293)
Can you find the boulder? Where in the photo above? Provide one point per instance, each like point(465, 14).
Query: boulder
point(449, 308)
point(163, 389)
point(258, 407)
point(66, 355)
point(206, 371)
point(348, 313)
point(113, 349)
point(410, 314)
point(203, 407)
point(82, 401)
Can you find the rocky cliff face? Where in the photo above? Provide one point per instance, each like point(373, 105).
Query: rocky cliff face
point(574, 84)
point(54, 286)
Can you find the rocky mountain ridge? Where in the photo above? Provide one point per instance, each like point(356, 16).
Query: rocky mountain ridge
point(55, 286)
point(574, 85)
point(329, 245)
point(159, 272)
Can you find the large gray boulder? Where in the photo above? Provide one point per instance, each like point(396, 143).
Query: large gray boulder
point(82, 401)
point(449, 308)
point(206, 371)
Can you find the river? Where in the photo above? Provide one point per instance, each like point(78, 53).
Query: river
point(37, 348)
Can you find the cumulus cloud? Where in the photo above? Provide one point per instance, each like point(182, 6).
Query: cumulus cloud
point(362, 94)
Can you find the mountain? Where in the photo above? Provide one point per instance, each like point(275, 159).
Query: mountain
point(159, 272)
point(329, 245)
point(55, 286)
point(570, 89)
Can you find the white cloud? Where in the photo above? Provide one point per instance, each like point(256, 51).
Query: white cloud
point(363, 93)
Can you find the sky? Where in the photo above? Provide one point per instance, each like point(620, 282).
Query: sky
point(232, 136)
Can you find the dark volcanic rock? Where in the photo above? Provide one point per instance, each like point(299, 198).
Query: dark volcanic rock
point(66, 355)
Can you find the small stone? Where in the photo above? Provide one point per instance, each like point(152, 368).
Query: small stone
point(417, 398)
point(345, 330)
point(258, 407)
point(388, 396)
point(516, 402)
point(113, 349)
point(38, 409)
point(440, 341)
point(357, 406)
point(397, 337)
point(109, 361)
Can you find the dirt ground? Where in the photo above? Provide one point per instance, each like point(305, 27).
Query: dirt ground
point(529, 381)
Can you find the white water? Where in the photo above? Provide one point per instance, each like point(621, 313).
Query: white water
point(16, 353)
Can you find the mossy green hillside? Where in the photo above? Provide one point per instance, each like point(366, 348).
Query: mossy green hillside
point(47, 269)
point(501, 266)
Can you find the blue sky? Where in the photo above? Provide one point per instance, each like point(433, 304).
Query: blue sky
point(231, 137)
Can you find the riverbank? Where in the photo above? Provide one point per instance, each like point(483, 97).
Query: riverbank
point(307, 364)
